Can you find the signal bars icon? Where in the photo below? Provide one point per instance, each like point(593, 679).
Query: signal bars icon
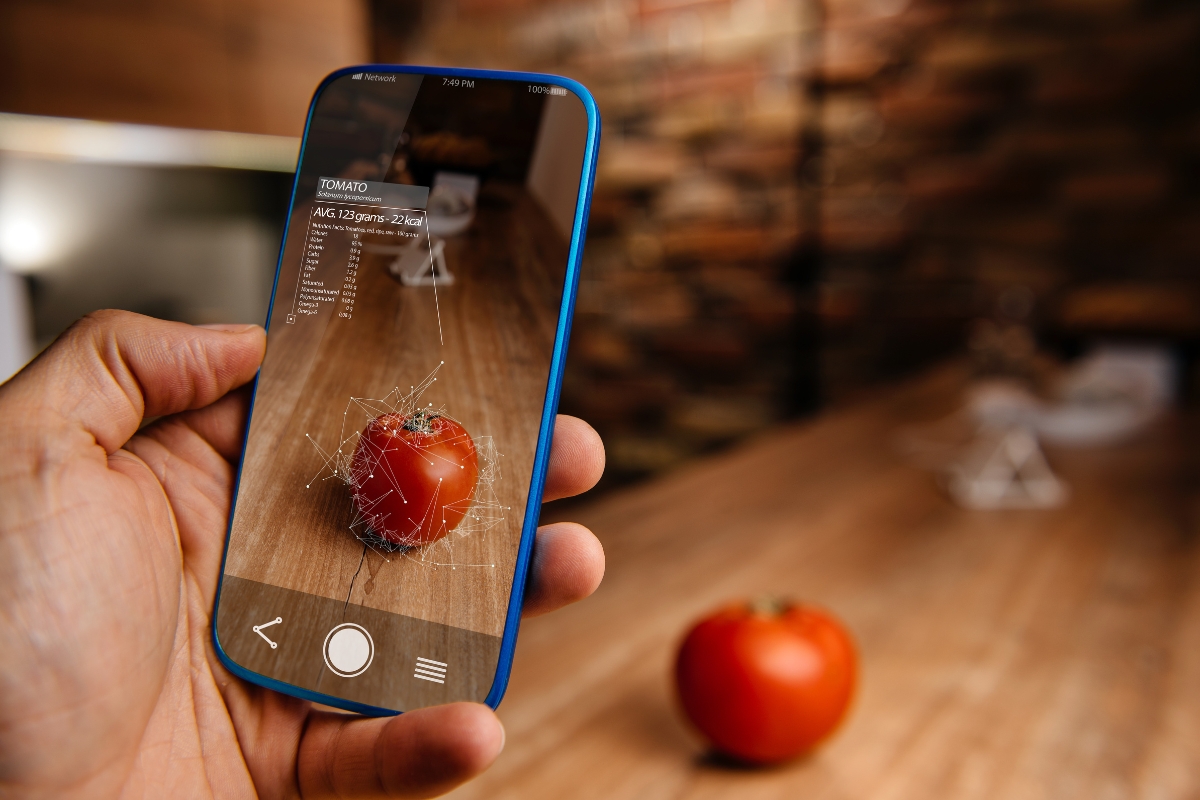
point(429, 670)
point(356, 76)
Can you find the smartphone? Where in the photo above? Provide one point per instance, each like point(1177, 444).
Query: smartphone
point(391, 479)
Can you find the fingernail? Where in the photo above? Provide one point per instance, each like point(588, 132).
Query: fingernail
point(228, 327)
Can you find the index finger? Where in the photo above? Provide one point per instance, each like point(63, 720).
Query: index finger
point(576, 459)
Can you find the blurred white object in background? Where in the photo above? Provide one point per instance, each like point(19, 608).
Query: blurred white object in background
point(449, 212)
point(422, 263)
point(1003, 403)
point(1005, 468)
point(16, 324)
point(1108, 395)
point(451, 206)
point(990, 451)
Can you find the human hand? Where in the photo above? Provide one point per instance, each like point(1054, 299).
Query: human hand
point(110, 548)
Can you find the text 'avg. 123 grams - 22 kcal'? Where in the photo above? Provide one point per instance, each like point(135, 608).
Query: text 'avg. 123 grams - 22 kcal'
point(390, 486)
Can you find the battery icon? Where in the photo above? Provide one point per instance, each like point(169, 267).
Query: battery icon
point(557, 90)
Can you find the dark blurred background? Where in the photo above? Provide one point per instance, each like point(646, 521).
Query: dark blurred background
point(797, 201)
point(959, 240)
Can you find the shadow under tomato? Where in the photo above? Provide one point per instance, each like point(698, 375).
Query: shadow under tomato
point(653, 724)
point(722, 762)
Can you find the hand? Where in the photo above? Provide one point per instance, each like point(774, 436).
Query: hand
point(110, 548)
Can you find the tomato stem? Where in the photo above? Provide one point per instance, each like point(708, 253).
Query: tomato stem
point(421, 421)
point(769, 605)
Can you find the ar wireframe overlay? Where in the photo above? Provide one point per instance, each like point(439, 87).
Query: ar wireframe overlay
point(391, 446)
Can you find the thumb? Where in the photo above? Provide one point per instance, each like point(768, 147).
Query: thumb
point(113, 368)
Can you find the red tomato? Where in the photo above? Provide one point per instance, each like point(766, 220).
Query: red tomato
point(765, 683)
point(413, 476)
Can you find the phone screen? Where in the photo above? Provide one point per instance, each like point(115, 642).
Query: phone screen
point(390, 454)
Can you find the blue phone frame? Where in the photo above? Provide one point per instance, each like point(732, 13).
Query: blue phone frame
point(566, 312)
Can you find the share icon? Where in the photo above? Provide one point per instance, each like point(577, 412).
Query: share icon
point(259, 630)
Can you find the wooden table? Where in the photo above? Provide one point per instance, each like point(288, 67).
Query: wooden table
point(1013, 654)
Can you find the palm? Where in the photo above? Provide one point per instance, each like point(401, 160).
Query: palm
point(203, 708)
point(108, 681)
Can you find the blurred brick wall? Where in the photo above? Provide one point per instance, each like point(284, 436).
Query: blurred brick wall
point(798, 200)
point(984, 153)
point(689, 309)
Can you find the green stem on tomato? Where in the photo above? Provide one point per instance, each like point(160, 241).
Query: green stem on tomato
point(769, 605)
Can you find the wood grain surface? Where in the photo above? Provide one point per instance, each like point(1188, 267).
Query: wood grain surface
point(1014, 654)
point(493, 329)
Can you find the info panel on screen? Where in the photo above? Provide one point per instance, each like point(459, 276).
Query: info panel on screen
point(390, 453)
